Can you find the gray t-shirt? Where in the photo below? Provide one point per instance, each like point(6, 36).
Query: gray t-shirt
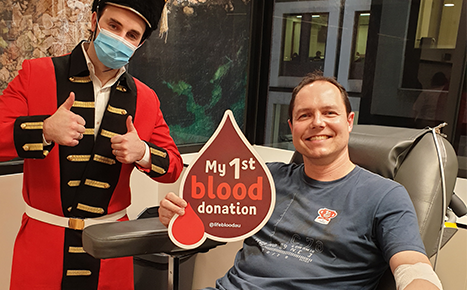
point(324, 235)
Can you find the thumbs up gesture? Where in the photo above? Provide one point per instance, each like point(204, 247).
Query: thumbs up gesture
point(128, 148)
point(64, 127)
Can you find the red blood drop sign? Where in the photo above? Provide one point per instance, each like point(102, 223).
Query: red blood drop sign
point(190, 229)
point(228, 188)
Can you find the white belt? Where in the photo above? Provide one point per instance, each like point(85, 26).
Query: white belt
point(72, 223)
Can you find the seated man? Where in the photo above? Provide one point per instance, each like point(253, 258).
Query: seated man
point(335, 225)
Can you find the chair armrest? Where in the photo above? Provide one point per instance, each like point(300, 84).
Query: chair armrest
point(458, 206)
point(135, 237)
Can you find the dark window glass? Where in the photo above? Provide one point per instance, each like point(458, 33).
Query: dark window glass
point(359, 45)
point(303, 43)
point(201, 70)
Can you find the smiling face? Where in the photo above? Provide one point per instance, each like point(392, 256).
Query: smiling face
point(320, 124)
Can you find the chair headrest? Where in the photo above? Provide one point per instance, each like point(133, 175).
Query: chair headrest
point(382, 149)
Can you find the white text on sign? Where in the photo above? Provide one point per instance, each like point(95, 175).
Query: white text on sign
point(212, 166)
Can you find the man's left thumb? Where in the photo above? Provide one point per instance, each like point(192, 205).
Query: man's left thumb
point(129, 124)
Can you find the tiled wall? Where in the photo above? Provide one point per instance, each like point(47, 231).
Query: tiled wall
point(38, 28)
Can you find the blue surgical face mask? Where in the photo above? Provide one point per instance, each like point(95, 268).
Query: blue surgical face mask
point(112, 50)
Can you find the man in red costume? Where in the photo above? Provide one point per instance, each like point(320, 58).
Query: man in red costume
point(82, 123)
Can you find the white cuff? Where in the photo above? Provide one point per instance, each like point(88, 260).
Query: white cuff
point(44, 142)
point(146, 160)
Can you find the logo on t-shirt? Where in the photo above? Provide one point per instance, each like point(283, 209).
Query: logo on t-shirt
point(325, 215)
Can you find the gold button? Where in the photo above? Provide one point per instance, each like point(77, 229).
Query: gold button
point(26, 148)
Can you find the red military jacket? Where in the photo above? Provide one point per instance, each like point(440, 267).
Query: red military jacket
point(84, 181)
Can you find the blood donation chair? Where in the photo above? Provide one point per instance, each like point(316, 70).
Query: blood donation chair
point(421, 160)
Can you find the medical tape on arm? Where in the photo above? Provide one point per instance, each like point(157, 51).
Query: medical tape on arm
point(406, 273)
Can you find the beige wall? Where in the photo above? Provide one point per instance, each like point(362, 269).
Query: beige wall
point(11, 209)
point(452, 262)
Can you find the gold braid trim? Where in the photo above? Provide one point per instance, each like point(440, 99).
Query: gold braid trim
point(78, 158)
point(78, 273)
point(95, 183)
point(108, 134)
point(116, 110)
point(32, 125)
point(103, 159)
point(89, 208)
point(157, 169)
point(80, 104)
point(158, 152)
point(74, 183)
point(80, 80)
point(33, 147)
point(121, 88)
point(76, 250)
point(89, 131)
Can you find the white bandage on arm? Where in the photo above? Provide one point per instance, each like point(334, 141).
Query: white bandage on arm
point(406, 273)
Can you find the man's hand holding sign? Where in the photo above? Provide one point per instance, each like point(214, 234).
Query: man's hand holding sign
point(228, 192)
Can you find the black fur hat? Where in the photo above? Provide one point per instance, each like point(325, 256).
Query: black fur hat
point(149, 10)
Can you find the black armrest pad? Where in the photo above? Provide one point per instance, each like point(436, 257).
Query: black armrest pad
point(131, 238)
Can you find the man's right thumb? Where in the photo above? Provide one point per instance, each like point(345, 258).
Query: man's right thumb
point(69, 102)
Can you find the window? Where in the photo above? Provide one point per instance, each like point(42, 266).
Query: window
point(437, 25)
point(304, 43)
point(460, 140)
point(201, 70)
point(402, 62)
point(357, 62)
point(416, 75)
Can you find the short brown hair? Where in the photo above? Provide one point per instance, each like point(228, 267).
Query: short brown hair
point(318, 76)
